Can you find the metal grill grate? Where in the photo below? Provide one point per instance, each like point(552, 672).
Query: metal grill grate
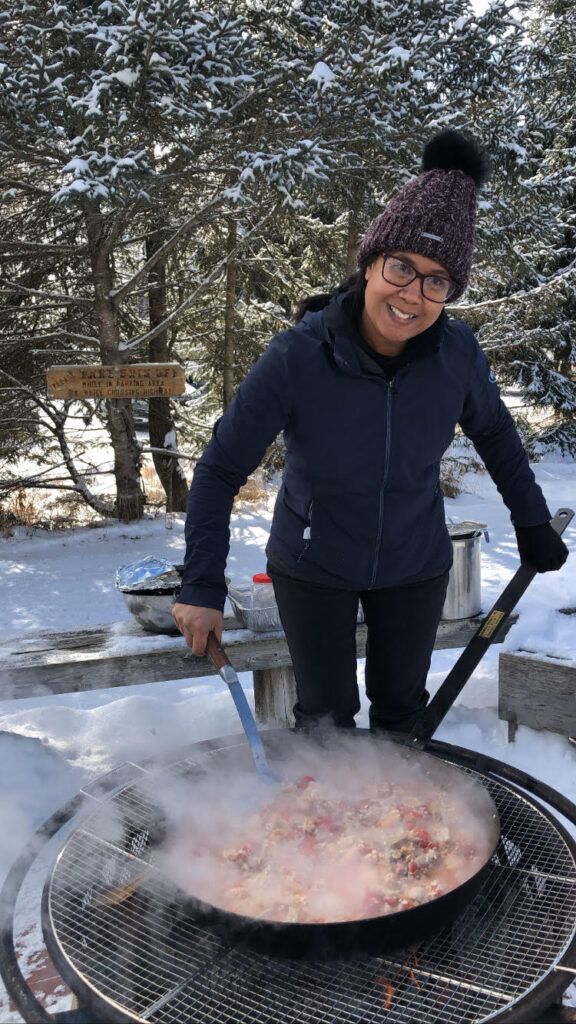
point(155, 965)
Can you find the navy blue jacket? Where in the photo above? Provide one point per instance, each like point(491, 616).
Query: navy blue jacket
point(360, 505)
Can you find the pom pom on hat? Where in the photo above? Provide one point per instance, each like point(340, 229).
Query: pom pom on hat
point(435, 214)
point(453, 151)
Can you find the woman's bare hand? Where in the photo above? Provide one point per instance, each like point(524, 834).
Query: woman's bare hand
point(196, 623)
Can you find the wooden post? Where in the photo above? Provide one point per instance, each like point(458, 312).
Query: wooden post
point(275, 695)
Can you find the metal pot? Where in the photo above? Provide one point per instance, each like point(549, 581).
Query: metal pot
point(463, 597)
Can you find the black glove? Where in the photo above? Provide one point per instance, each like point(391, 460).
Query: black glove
point(541, 547)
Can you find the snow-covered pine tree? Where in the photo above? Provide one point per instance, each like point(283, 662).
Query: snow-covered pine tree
point(112, 114)
point(526, 291)
point(369, 83)
point(257, 143)
point(99, 103)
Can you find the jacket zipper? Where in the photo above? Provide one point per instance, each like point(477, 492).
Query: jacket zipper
point(307, 534)
point(390, 386)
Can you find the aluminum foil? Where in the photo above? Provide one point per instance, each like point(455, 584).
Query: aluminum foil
point(148, 573)
point(466, 528)
point(259, 616)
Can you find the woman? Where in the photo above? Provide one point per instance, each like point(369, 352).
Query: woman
point(368, 387)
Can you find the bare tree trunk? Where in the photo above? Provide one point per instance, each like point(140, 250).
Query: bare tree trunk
point(130, 497)
point(352, 237)
point(55, 422)
point(161, 421)
point(228, 367)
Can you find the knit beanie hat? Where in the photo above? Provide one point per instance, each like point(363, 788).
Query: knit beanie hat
point(434, 214)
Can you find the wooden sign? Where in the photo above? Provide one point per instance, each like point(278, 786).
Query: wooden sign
point(137, 380)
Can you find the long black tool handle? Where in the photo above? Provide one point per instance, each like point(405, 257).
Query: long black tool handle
point(478, 645)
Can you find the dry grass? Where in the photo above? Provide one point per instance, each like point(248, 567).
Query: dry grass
point(44, 510)
point(26, 507)
point(21, 508)
point(40, 509)
point(452, 472)
point(251, 493)
point(155, 494)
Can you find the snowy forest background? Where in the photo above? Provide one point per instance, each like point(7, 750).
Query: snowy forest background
point(176, 175)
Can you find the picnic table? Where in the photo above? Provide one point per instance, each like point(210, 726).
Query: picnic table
point(122, 653)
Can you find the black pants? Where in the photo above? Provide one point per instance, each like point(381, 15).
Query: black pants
point(320, 627)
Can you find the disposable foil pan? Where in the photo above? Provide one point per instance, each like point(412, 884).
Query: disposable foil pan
point(261, 617)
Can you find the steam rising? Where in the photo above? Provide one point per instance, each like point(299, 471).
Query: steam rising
point(358, 832)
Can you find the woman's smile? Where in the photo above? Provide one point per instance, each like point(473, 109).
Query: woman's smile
point(393, 314)
point(398, 314)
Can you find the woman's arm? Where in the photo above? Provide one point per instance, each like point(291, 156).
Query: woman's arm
point(490, 427)
point(239, 441)
point(487, 422)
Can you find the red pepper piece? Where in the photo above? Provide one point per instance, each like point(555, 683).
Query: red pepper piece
point(423, 810)
point(328, 822)
point(425, 839)
point(305, 781)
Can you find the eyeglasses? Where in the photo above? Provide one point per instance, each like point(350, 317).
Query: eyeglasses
point(434, 287)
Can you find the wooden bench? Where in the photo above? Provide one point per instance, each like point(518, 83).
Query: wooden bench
point(123, 654)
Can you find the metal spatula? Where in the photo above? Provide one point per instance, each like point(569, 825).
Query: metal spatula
point(219, 658)
point(221, 662)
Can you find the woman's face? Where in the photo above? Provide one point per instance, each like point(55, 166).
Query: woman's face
point(393, 314)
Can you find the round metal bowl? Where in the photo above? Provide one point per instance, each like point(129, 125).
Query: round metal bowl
point(152, 610)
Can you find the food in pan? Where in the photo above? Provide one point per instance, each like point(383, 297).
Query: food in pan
point(317, 852)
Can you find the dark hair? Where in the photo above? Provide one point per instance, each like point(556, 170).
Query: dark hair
point(356, 284)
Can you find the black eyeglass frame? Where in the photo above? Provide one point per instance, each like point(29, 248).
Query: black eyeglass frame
point(417, 274)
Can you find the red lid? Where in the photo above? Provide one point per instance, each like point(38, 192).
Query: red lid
point(261, 577)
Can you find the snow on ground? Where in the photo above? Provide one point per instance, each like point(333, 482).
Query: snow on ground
point(51, 746)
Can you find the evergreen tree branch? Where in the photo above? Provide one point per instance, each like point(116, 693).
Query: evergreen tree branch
point(202, 286)
point(197, 218)
point(11, 287)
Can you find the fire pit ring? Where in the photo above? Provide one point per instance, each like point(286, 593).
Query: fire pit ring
point(506, 957)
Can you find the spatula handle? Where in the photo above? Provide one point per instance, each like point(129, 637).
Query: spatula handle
point(216, 652)
point(226, 670)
